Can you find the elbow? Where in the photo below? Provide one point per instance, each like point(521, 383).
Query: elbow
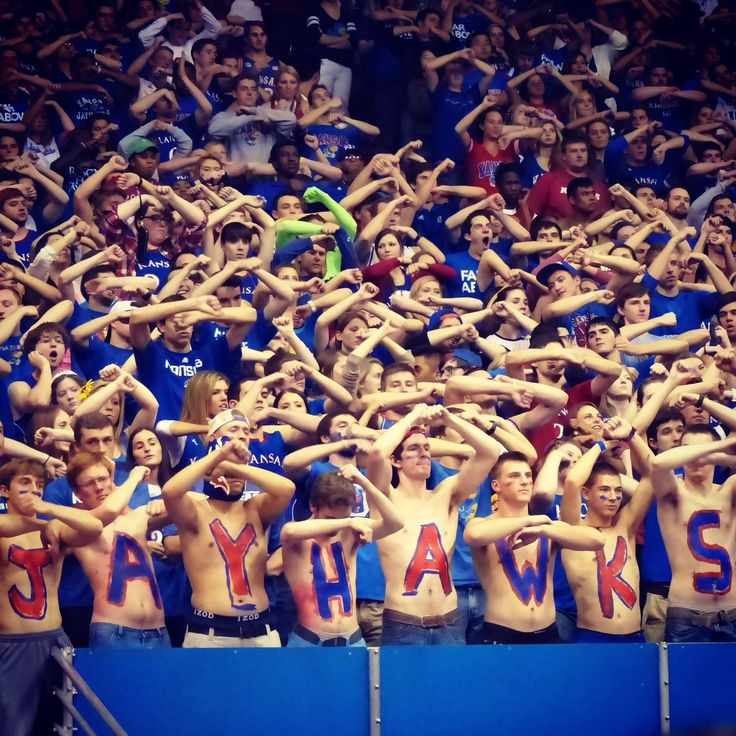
point(598, 541)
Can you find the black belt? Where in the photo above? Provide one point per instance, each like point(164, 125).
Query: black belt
point(336, 641)
point(662, 589)
point(701, 618)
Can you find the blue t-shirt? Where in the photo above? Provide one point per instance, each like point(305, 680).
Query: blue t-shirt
point(448, 108)
point(97, 355)
point(691, 307)
point(478, 505)
point(334, 138)
point(82, 106)
point(166, 372)
point(466, 281)
point(267, 75)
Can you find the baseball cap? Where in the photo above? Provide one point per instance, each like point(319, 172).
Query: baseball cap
point(443, 313)
point(468, 356)
point(137, 144)
point(544, 274)
point(122, 306)
point(227, 417)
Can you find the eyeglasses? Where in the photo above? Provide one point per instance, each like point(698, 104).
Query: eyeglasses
point(449, 370)
point(94, 482)
point(155, 218)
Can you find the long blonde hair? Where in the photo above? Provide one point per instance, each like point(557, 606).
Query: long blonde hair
point(195, 405)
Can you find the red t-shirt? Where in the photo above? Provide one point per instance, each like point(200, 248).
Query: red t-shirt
point(548, 196)
point(543, 435)
point(482, 165)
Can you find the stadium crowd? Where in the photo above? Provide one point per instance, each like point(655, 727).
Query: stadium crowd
point(334, 324)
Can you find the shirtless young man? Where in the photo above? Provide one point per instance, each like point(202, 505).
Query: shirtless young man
point(421, 601)
point(31, 556)
point(224, 538)
point(320, 557)
point(127, 611)
point(514, 554)
point(698, 525)
point(606, 584)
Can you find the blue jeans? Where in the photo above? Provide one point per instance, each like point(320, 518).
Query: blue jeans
point(397, 634)
point(567, 622)
point(721, 627)
point(114, 636)
point(471, 602)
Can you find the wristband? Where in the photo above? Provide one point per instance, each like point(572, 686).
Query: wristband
point(48, 457)
point(630, 436)
point(492, 429)
point(699, 402)
point(602, 445)
point(311, 305)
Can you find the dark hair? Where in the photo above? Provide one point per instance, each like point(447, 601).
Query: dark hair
point(603, 321)
point(21, 466)
point(422, 14)
point(93, 273)
point(235, 231)
point(389, 371)
point(34, 336)
point(630, 291)
point(538, 223)
point(508, 457)
point(331, 489)
point(701, 429)
point(164, 469)
point(507, 167)
point(662, 417)
point(200, 43)
point(579, 182)
point(93, 420)
point(276, 148)
point(571, 138)
point(601, 469)
point(543, 334)
point(468, 222)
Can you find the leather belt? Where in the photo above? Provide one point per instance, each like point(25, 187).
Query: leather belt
point(701, 618)
point(335, 641)
point(426, 622)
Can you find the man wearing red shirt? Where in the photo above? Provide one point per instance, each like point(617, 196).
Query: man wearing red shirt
point(548, 196)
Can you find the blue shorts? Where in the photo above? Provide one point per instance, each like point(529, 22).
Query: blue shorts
point(586, 636)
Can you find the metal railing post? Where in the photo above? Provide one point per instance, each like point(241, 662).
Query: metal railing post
point(374, 694)
point(85, 690)
point(664, 690)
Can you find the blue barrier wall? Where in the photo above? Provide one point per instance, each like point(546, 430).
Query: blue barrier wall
point(583, 689)
point(229, 691)
point(600, 689)
point(702, 685)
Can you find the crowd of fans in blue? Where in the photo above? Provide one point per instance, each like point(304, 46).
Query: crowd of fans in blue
point(358, 323)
